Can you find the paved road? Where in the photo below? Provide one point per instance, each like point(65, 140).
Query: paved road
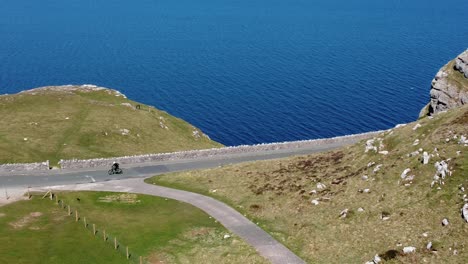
point(265, 245)
point(54, 177)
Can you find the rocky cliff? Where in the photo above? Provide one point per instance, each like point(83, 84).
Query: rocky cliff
point(449, 87)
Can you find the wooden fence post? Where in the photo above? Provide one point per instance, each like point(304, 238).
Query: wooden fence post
point(45, 195)
point(128, 256)
point(94, 229)
point(115, 242)
point(56, 199)
point(141, 260)
point(104, 234)
point(84, 219)
point(51, 195)
point(76, 215)
point(69, 210)
point(29, 195)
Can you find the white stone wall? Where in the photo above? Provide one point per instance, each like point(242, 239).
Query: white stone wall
point(24, 166)
point(194, 154)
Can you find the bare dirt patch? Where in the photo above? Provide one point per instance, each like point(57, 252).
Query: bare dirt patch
point(26, 220)
point(156, 258)
point(120, 198)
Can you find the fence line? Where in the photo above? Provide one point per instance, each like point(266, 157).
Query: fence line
point(107, 238)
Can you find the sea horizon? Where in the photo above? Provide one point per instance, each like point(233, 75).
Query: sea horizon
point(245, 72)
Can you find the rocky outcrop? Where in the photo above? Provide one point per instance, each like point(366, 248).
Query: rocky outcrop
point(449, 87)
point(461, 63)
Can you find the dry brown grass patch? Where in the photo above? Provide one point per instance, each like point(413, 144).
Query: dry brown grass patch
point(26, 220)
point(127, 198)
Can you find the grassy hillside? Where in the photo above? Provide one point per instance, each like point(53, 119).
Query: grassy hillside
point(364, 207)
point(160, 230)
point(56, 123)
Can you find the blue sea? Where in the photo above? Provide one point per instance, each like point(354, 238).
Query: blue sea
point(244, 71)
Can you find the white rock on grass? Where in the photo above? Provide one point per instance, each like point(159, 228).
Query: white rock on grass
point(464, 211)
point(377, 168)
point(404, 173)
point(25, 139)
point(442, 169)
point(360, 209)
point(416, 142)
point(370, 164)
point(344, 213)
point(315, 202)
point(425, 158)
point(416, 126)
point(445, 222)
point(226, 236)
point(321, 186)
point(383, 152)
point(365, 177)
point(429, 246)
point(124, 131)
point(377, 259)
point(408, 250)
point(463, 140)
point(370, 146)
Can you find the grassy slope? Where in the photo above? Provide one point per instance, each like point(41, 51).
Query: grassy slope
point(163, 231)
point(92, 129)
point(277, 195)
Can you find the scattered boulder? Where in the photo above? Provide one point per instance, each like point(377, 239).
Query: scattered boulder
point(416, 126)
point(445, 222)
point(377, 168)
point(403, 174)
point(344, 213)
point(124, 131)
point(370, 146)
point(407, 250)
point(321, 186)
point(429, 246)
point(464, 212)
point(384, 216)
point(425, 158)
point(463, 140)
point(315, 202)
point(442, 169)
point(226, 236)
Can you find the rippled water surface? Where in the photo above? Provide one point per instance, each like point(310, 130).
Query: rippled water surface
point(244, 71)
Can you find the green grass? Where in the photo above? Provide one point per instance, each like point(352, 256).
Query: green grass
point(92, 130)
point(276, 193)
point(160, 230)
